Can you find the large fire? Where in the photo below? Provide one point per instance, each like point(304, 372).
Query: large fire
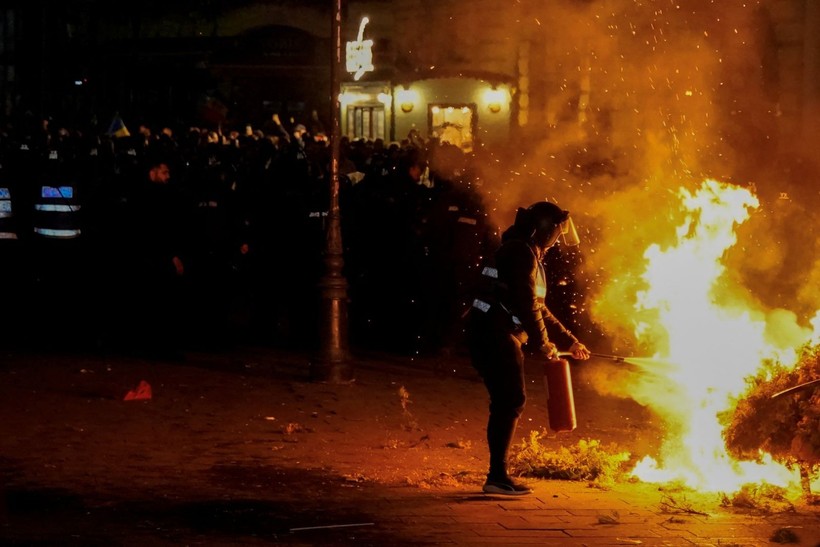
point(708, 335)
point(705, 281)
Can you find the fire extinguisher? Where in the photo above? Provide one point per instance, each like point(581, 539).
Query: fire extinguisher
point(560, 400)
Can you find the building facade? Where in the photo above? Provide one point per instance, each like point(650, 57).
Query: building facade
point(474, 72)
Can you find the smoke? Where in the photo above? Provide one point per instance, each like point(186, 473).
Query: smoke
point(643, 97)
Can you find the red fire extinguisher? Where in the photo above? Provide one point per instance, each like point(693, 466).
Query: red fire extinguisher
point(560, 400)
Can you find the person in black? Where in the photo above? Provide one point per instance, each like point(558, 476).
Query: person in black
point(213, 245)
point(512, 313)
point(157, 221)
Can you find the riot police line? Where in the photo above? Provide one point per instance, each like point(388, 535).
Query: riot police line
point(252, 210)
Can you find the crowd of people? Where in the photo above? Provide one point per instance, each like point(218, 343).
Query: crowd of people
point(162, 240)
point(157, 243)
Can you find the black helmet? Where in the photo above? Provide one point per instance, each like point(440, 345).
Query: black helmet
point(542, 215)
point(545, 212)
point(542, 220)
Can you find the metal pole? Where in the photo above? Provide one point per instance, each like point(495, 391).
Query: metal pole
point(333, 362)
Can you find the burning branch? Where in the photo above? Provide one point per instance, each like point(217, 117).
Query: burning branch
point(669, 504)
point(772, 418)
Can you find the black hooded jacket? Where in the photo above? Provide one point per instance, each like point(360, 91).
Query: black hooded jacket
point(522, 286)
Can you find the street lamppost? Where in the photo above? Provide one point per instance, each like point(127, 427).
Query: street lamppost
point(333, 362)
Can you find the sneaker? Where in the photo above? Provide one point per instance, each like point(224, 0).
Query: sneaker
point(506, 487)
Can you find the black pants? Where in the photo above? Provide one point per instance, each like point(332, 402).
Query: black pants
point(497, 356)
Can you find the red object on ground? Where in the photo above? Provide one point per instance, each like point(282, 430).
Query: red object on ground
point(560, 400)
point(142, 392)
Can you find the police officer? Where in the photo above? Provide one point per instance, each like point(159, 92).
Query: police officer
point(512, 312)
point(456, 232)
point(11, 273)
point(214, 243)
point(58, 245)
point(8, 224)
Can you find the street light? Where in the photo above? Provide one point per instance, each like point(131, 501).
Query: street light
point(333, 362)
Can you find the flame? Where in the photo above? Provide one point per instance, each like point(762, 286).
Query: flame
point(709, 335)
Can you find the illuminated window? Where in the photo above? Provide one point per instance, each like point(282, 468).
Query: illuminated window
point(455, 124)
point(366, 122)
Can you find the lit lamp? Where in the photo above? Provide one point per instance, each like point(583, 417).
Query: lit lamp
point(407, 99)
point(494, 98)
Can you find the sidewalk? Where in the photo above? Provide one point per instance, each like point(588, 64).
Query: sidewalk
point(241, 449)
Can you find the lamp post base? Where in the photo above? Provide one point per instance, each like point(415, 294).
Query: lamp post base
point(333, 362)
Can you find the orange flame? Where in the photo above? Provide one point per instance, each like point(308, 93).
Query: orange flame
point(709, 335)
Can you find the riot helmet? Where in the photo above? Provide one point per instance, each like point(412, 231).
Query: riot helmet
point(546, 222)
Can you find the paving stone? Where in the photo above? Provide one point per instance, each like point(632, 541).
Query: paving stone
point(632, 531)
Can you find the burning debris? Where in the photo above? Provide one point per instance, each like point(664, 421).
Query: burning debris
point(761, 497)
point(708, 331)
point(410, 422)
point(785, 426)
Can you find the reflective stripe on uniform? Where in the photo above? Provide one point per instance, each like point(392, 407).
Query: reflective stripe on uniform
point(467, 220)
point(59, 192)
point(516, 321)
point(50, 232)
point(541, 282)
point(56, 208)
point(489, 271)
point(481, 305)
point(8, 235)
point(485, 307)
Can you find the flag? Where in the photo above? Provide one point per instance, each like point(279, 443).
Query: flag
point(117, 128)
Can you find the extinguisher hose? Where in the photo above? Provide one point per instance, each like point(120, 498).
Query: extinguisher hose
point(616, 358)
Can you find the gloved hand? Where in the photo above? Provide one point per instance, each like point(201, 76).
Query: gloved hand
point(579, 351)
